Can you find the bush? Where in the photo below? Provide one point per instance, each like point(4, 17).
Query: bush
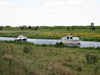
point(96, 69)
point(8, 58)
point(79, 68)
point(22, 28)
point(36, 28)
point(43, 45)
point(27, 49)
point(91, 59)
point(60, 44)
point(0, 28)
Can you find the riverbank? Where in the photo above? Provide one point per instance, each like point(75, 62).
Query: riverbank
point(83, 44)
point(22, 58)
point(85, 36)
point(57, 45)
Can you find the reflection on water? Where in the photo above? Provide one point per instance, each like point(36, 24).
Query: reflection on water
point(42, 41)
point(48, 41)
point(89, 44)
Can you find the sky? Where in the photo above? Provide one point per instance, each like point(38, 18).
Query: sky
point(49, 12)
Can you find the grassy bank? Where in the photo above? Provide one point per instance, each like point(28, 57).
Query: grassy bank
point(28, 59)
point(56, 32)
point(87, 36)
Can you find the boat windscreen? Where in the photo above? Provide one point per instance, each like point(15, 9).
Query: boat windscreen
point(63, 38)
point(22, 36)
point(71, 37)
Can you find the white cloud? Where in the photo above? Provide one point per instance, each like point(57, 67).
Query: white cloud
point(49, 12)
point(4, 3)
point(75, 2)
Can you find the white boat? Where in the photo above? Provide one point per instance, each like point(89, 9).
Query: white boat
point(69, 40)
point(21, 38)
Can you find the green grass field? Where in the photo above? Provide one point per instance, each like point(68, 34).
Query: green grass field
point(18, 58)
point(85, 33)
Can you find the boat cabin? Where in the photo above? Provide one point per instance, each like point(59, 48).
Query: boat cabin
point(21, 38)
point(70, 38)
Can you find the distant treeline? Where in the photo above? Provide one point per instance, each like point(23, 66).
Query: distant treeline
point(51, 27)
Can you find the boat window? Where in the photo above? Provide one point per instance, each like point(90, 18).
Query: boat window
point(71, 37)
point(67, 37)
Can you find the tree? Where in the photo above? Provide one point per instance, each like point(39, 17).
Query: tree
point(73, 27)
point(51, 28)
point(22, 28)
point(29, 27)
point(36, 28)
point(92, 26)
point(0, 27)
point(68, 28)
point(7, 26)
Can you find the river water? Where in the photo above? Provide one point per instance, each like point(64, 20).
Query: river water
point(50, 41)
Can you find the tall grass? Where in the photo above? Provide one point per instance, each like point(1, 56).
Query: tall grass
point(22, 58)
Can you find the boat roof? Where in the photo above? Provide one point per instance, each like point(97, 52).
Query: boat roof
point(20, 36)
point(70, 37)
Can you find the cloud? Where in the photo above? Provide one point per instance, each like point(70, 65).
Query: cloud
point(49, 12)
point(75, 2)
point(4, 3)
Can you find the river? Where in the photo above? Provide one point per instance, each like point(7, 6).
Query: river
point(52, 41)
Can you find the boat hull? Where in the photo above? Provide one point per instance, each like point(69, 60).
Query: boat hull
point(20, 39)
point(70, 42)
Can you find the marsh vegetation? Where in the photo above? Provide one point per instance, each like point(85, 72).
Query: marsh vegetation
point(28, 59)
